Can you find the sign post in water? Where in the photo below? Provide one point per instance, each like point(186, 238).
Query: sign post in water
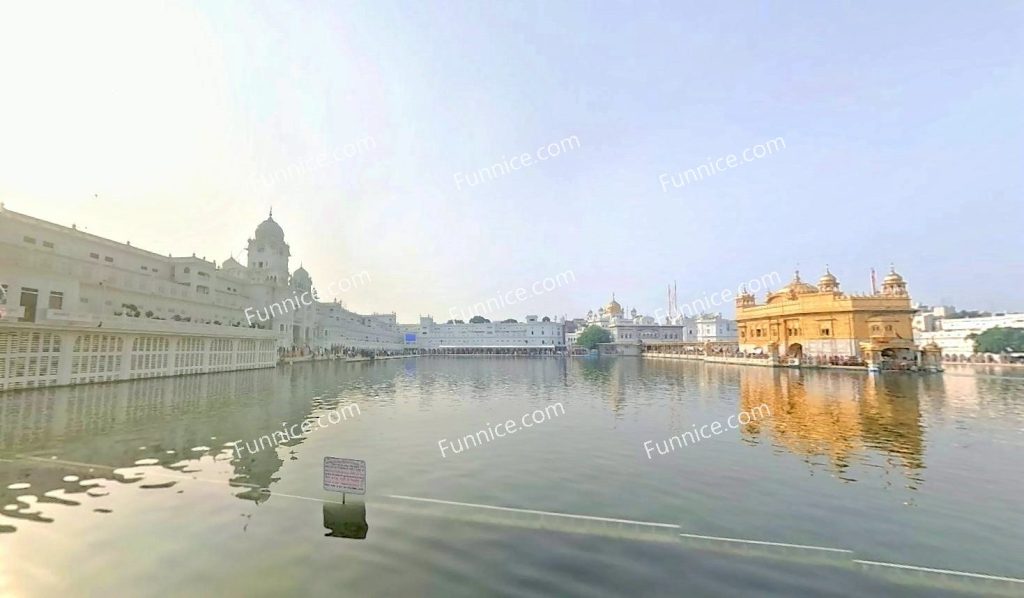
point(344, 475)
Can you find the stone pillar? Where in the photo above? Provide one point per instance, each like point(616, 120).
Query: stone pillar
point(67, 351)
point(126, 356)
point(172, 350)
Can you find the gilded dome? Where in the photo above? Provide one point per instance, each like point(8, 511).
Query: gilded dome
point(894, 284)
point(892, 277)
point(798, 286)
point(613, 308)
point(828, 281)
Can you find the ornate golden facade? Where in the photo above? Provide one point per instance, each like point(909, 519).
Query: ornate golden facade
point(805, 320)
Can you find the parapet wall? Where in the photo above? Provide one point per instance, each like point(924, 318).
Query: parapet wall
point(34, 355)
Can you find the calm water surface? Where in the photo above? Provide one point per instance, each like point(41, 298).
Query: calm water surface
point(129, 489)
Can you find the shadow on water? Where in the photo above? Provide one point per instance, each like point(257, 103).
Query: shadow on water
point(346, 520)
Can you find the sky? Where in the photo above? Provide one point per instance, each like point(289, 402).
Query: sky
point(174, 126)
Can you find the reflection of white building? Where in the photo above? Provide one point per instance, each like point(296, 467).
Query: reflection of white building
point(535, 335)
point(153, 315)
point(953, 334)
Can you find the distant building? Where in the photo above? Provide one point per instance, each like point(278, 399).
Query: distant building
point(955, 335)
point(802, 319)
point(534, 335)
point(637, 328)
point(715, 328)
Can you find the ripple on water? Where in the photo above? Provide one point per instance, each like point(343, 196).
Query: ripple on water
point(70, 478)
point(198, 449)
point(19, 486)
point(147, 461)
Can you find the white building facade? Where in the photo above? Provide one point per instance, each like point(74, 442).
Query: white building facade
point(636, 328)
point(75, 307)
point(534, 335)
point(953, 335)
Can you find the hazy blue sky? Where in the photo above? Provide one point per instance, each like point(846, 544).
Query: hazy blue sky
point(902, 122)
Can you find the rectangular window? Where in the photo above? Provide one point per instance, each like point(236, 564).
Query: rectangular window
point(108, 259)
point(31, 240)
point(48, 244)
point(29, 297)
point(94, 256)
point(56, 300)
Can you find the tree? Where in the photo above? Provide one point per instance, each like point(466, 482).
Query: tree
point(454, 322)
point(999, 340)
point(478, 320)
point(545, 319)
point(510, 321)
point(593, 335)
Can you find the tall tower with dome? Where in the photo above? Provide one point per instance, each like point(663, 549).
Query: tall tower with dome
point(267, 266)
point(268, 253)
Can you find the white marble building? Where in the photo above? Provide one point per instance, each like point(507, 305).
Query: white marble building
point(676, 328)
point(953, 335)
point(176, 314)
point(533, 335)
point(636, 328)
point(715, 328)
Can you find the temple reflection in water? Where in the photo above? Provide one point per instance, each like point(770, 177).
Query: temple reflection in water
point(842, 417)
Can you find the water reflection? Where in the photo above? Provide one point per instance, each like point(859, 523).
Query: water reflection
point(346, 520)
point(65, 445)
point(844, 418)
point(75, 440)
